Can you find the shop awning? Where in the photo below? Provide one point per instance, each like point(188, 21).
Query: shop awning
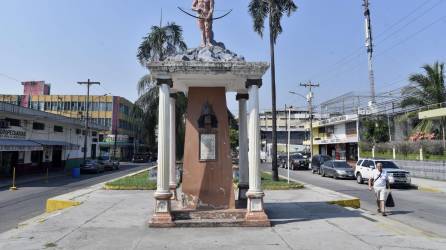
point(19, 145)
point(65, 145)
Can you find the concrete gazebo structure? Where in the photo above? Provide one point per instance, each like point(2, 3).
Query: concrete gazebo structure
point(207, 184)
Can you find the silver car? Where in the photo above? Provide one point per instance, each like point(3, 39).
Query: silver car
point(337, 169)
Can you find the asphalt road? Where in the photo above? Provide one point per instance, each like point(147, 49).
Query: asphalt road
point(29, 201)
point(422, 210)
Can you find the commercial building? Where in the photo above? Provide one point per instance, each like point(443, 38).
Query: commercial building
point(112, 112)
point(337, 137)
point(298, 132)
point(33, 140)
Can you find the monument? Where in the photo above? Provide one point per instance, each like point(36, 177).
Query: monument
point(205, 75)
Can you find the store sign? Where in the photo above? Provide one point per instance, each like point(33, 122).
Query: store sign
point(12, 133)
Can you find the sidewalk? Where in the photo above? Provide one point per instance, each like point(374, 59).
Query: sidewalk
point(7, 182)
point(302, 219)
point(428, 185)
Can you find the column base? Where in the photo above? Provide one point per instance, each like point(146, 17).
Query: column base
point(162, 216)
point(161, 220)
point(256, 215)
point(242, 190)
point(173, 190)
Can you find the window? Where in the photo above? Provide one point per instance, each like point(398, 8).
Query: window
point(78, 131)
point(94, 133)
point(329, 130)
point(350, 128)
point(38, 126)
point(13, 122)
point(4, 124)
point(58, 129)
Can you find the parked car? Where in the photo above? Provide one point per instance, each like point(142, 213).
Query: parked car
point(317, 161)
point(364, 171)
point(337, 169)
point(297, 161)
point(140, 158)
point(108, 163)
point(92, 166)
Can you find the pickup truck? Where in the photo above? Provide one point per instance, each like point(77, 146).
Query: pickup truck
point(364, 170)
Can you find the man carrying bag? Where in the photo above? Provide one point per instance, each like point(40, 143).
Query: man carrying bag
point(380, 182)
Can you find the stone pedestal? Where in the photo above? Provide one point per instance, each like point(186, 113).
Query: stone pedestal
point(207, 183)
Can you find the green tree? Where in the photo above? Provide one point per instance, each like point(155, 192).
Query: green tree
point(148, 103)
point(260, 10)
point(427, 89)
point(375, 130)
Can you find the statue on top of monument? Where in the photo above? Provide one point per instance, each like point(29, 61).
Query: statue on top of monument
point(205, 10)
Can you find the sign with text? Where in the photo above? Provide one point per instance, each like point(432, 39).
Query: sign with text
point(12, 133)
point(208, 147)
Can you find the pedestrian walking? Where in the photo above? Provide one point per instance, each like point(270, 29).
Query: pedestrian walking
point(380, 182)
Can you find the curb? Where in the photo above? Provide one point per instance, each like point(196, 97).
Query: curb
point(429, 189)
point(72, 199)
point(346, 201)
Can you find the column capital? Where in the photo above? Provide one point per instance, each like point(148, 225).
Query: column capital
point(241, 96)
point(160, 81)
point(251, 82)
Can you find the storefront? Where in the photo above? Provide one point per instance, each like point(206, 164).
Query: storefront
point(336, 137)
point(33, 141)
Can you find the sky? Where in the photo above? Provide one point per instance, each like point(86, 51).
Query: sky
point(66, 41)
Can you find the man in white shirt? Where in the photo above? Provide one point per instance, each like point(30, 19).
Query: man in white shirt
point(380, 182)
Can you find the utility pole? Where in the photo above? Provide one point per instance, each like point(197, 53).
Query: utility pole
point(310, 86)
point(88, 83)
point(369, 46)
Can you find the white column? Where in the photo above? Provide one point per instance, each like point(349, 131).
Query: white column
point(172, 144)
point(255, 188)
point(243, 147)
point(162, 191)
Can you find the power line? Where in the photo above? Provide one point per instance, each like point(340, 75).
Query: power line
point(10, 77)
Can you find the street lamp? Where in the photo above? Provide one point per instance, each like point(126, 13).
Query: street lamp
point(309, 99)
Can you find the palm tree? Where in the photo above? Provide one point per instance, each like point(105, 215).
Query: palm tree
point(426, 89)
point(161, 42)
point(274, 10)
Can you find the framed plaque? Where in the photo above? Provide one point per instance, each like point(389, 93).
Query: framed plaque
point(208, 147)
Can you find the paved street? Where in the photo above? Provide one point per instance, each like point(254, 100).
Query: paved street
point(422, 210)
point(29, 201)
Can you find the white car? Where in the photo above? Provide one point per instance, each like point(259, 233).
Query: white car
point(364, 171)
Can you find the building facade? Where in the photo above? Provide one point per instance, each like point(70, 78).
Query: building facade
point(336, 137)
point(298, 132)
point(112, 112)
point(33, 141)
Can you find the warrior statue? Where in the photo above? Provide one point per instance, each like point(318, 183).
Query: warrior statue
point(205, 10)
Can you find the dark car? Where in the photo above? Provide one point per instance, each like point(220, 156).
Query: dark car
point(92, 166)
point(298, 161)
point(337, 169)
point(317, 161)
